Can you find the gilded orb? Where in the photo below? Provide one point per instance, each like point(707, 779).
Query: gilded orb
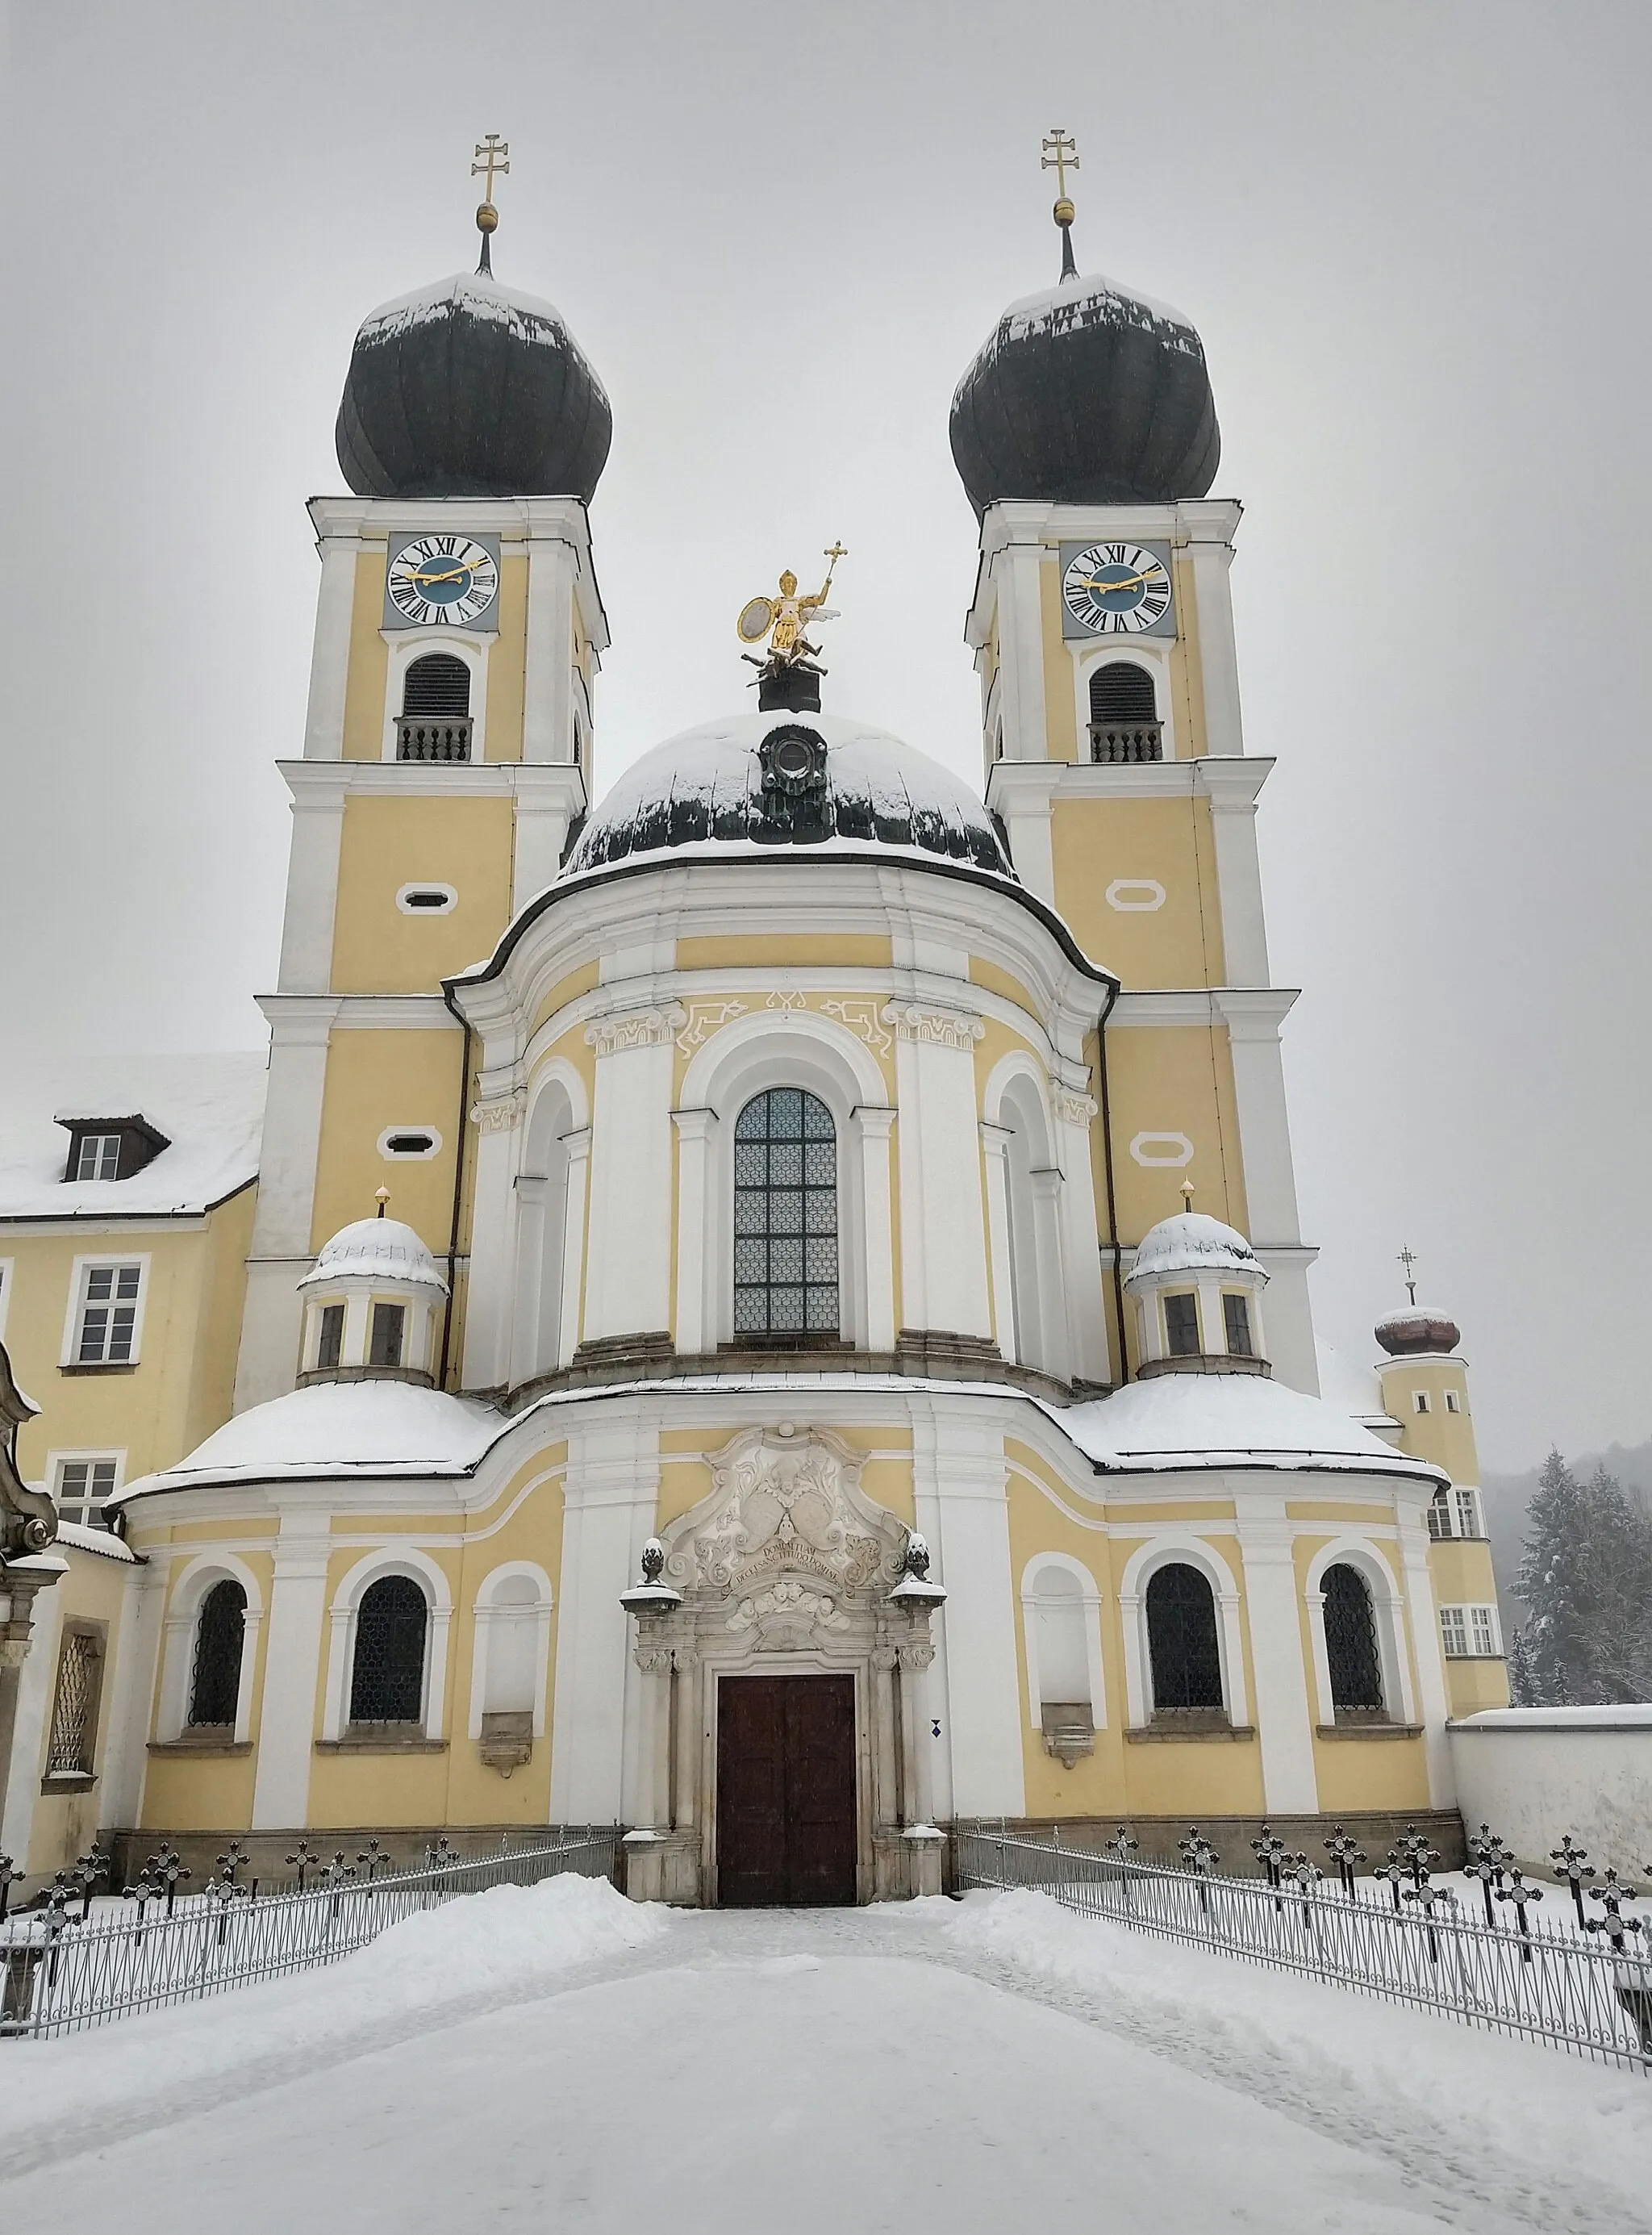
point(487, 217)
point(1064, 212)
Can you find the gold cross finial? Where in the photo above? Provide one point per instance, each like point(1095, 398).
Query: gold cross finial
point(493, 152)
point(1408, 1261)
point(1061, 155)
point(836, 552)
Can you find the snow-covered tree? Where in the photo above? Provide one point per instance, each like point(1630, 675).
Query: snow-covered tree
point(1586, 1575)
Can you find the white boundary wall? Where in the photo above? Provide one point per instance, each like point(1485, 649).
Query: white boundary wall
point(1534, 1773)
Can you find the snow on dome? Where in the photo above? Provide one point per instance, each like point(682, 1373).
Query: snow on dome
point(378, 1250)
point(1417, 1331)
point(705, 789)
point(1226, 1420)
point(1193, 1242)
point(335, 1429)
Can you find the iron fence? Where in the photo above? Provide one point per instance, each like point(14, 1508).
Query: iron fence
point(1580, 1983)
point(60, 1973)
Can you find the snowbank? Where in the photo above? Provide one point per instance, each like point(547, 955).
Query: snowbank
point(471, 1955)
point(1328, 2056)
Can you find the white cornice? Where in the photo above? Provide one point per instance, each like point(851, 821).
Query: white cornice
point(1252, 1010)
point(1019, 787)
point(312, 1016)
point(535, 784)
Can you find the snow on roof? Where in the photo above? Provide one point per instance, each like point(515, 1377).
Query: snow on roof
point(1634, 1713)
point(338, 1429)
point(478, 293)
point(209, 1107)
point(1093, 299)
point(1352, 1389)
point(1224, 1419)
point(377, 1249)
point(1191, 1242)
point(103, 1542)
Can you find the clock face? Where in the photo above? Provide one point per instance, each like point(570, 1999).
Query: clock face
point(1116, 589)
point(440, 580)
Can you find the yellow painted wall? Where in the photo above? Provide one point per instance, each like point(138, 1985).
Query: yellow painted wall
point(991, 980)
point(218, 1332)
point(508, 663)
point(380, 1078)
point(1094, 841)
point(1174, 1079)
point(369, 661)
point(1186, 667)
point(207, 1791)
point(389, 841)
point(582, 980)
point(1445, 1439)
point(787, 950)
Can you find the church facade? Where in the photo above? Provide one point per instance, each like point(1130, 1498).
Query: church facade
point(808, 1341)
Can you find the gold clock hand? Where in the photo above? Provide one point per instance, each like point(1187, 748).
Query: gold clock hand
point(452, 575)
point(1091, 583)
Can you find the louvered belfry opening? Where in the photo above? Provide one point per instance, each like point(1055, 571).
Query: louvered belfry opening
point(435, 723)
point(1123, 715)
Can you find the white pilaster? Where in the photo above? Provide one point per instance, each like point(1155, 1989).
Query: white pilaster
point(1046, 1187)
point(547, 702)
point(994, 1147)
point(1084, 1308)
point(1431, 1702)
point(695, 1319)
point(280, 1255)
point(291, 1658)
point(330, 657)
point(874, 1125)
point(962, 1503)
point(312, 889)
point(1232, 793)
point(943, 1225)
point(1281, 1707)
point(611, 1491)
point(628, 1282)
point(131, 1698)
point(491, 1292)
point(573, 1245)
point(1212, 556)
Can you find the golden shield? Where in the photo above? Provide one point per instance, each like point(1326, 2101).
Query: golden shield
point(757, 618)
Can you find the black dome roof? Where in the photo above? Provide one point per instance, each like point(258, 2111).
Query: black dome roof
point(1085, 394)
point(467, 389)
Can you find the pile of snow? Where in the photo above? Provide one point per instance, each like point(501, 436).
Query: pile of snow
point(477, 1953)
point(1520, 2119)
point(209, 1107)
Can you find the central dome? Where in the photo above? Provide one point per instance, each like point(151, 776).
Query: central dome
point(754, 783)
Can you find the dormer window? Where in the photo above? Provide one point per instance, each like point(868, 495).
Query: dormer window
point(435, 723)
point(110, 1147)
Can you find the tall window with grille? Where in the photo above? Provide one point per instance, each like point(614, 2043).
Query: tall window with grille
point(81, 1487)
point(435, 723)
point(71, 1746)
point(1183, 1651)
point(1123, 715)
point(1351, 1644)
point(106, 1328)
point(786, 1218)
point(215, 1676)
point(386, 1669)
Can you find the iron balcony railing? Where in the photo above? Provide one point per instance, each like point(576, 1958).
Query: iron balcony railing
point(59, 1973)
point(435, 737)
point(1116, 744)
point(1581, 1983)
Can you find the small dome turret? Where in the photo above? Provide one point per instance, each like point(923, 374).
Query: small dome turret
point(371, 1302)
point(1419, 1332)
point(1197, 1286)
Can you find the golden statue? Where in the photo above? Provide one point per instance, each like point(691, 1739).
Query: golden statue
point(784, 621)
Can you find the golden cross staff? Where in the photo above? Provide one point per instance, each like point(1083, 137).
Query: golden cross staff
point(832, 556)
point(1061, 155)
point(1409, 1262)
point(494, 151)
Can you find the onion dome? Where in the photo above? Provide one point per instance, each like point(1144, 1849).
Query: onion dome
point(469, 388)
point(754, 781)
point(1418, 1332)
point(381, 1250)
point(1086, 394)
point(1191, 1243)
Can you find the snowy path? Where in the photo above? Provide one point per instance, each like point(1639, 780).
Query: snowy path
point(931, 2067)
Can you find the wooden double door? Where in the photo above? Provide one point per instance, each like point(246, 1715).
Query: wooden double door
point(786, 1792)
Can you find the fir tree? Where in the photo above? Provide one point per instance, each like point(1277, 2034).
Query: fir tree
point(1553, 1581)
point(1523, 1676)
point(1586, 1574)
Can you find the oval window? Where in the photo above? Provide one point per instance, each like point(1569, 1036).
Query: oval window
point(398, 1142)
point(427, 900)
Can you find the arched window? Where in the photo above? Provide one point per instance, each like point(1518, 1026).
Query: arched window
point(215, 1678)
point(1124, 714)
point(1351, 1642)
point(1061, 1649)
point(387, 1675)
point(436, 709)
point(786, 1216)
point(1186, 1659)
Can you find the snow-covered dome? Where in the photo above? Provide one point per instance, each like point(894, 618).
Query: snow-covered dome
point(1192, 1420)
point(1086, 394)
point(1418, 1331)
point(338, 1429)
point(1191, 1243)
point(381, 1250)
point(754, 781)
point(469, 388)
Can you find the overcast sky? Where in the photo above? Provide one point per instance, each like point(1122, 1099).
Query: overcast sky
point(1414, 240)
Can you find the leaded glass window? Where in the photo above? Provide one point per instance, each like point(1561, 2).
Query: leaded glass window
point(1351, 1642)
point(1182, 1647)
point(220, 1631)
point(786, 1216)
point(387, 1675)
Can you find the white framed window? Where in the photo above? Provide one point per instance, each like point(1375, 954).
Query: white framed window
point(1467, 1505)
point(82, 1482)
point(1453, 1402)
point(99, 1158)
point(400, 1144)
point(1439, 1523)
point(1471, 1633)
point(1419, 1401)
point(106, 1312)
point(428, 897)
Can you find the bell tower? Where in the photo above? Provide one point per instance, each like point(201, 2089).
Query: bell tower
point(1085, 433)
point(447, 759)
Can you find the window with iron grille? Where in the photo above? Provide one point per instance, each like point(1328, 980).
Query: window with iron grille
point(1182, 1647)
point(1181, 1327)
point(1236, 1318)
point(107, 1332)
point(81, 1486)
point(329, 1341)
point(71, 1747)
point(220, 1632)
point(387, 1671)
point(1351, 1642)
point(786, 1216)
point(389, 1321)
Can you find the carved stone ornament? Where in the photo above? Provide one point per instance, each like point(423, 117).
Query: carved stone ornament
point(703, 1019)
point(28, 1517)
point(934, 1027)
point(635, 1028)
point(861, 1018)
point(1075, 1109)
point(787, 1614)
point(500, 1114)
